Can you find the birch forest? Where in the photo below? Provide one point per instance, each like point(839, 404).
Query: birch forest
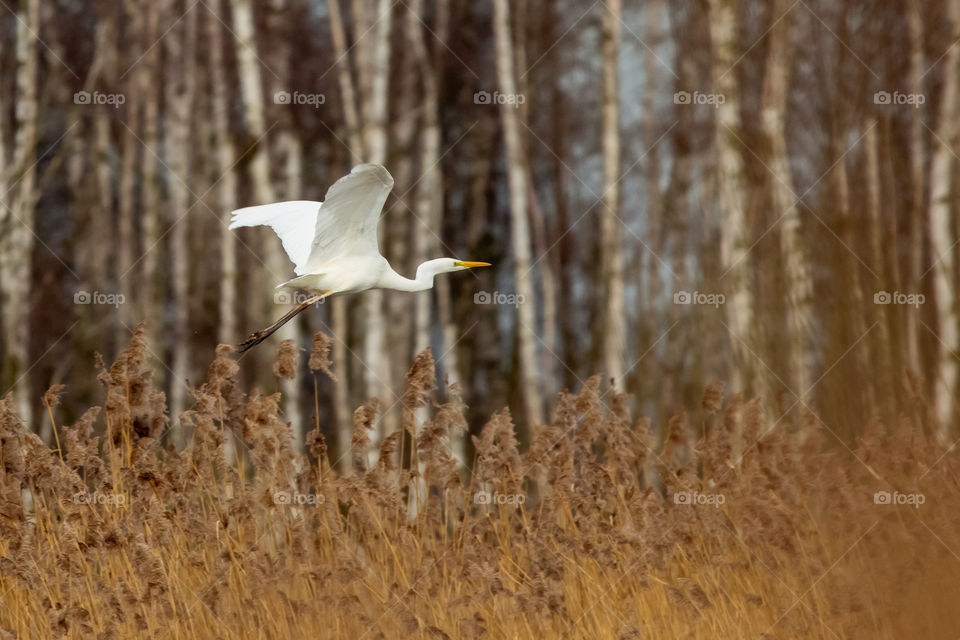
point(752, 197)
point(671, 194)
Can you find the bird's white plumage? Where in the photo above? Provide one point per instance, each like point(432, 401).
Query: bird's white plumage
point(333, 244)
point(292, 221)
point(344, 224)
point(347, 222)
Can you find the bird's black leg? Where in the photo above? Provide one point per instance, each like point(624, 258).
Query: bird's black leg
point(259, 336)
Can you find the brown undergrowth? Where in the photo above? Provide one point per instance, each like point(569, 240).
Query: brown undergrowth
point(759, 529)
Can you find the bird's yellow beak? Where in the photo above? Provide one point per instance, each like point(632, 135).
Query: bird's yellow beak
point(469, 265)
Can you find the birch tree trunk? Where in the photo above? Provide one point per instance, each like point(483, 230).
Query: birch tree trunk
point(430, 203)
point(941, 225)
point(101, 224)
point(180, 86)
point(345, 80)
point(547, 364)
point(911, 266)
point(526, 328)
point(18, 219)
point(799, 284)
point(882, 364)
point(548, 285)
point(730, 193)
point(374, 70)
point(292, 151)
point(614, 333)
point(890, 240)
point(338, 306)
point(399, 233)
point(251, 89)
point(225, 154)
point(127, 210)
point(150, 224)
point(429, 198)
point(653, 271)
point(277, 262)
point(288, 150)
point(563, 253)
point(849, 282)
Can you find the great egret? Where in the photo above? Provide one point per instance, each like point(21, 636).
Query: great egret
point(333, 244)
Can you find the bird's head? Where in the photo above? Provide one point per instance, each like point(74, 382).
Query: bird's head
point(447, 265)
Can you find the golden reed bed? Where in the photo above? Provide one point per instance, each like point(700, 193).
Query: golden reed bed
point(759, 529)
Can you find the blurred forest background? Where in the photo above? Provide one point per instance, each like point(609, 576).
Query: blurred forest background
point(672, 193)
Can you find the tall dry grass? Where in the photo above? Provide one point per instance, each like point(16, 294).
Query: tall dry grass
point(759, 529)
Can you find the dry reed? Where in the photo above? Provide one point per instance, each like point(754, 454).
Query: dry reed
point(757, 528)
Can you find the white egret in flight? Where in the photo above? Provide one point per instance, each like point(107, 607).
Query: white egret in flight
point(333, 244)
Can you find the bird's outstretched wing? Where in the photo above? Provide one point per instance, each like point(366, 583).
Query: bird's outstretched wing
point(344, 224)
point(347, 222)
point(294, 222)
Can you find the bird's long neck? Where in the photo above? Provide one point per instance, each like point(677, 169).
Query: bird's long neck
point(422, 282)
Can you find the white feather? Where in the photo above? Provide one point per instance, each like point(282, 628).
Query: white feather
point(314, 233)
point(333, 245)
point(292, 221)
